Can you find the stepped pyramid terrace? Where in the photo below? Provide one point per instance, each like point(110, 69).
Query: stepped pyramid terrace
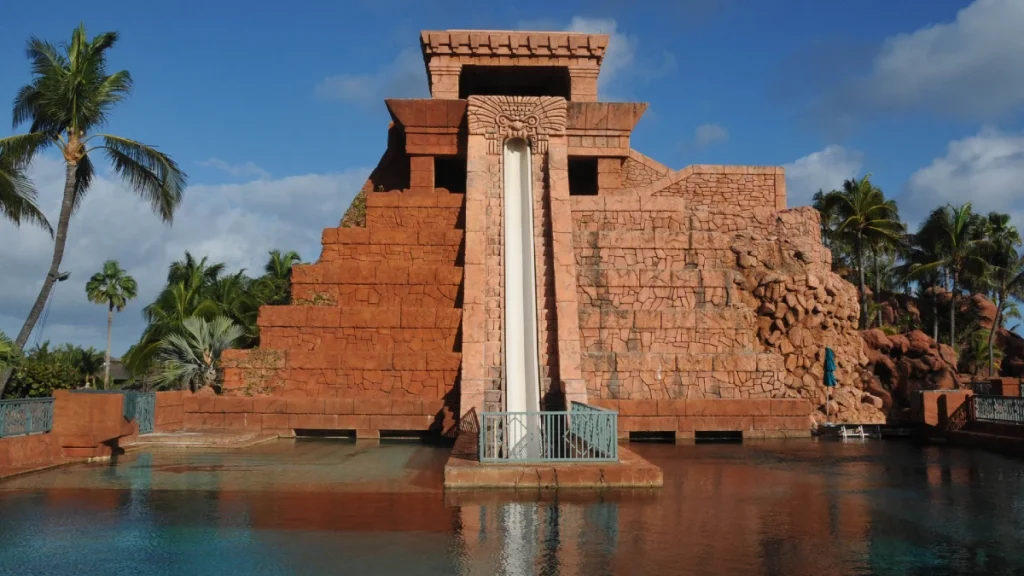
point(512, 253)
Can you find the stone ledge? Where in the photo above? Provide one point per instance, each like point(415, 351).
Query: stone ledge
point(631, 471)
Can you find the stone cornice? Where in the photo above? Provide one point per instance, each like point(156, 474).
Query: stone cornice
point(506, 43)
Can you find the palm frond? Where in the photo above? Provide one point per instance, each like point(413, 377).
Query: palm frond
point(18, 196)
point(152, 174)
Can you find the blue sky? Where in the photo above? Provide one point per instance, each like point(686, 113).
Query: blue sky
point(275, 110)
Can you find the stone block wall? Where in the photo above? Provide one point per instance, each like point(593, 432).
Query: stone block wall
point(699, 285)
point(377, 317)
point(365, 417)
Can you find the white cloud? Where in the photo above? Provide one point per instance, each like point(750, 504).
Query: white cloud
point(822, 170)
point(235, 223)
point(245, 170)
point(708, 134)
point(405, 77)
point(970, 67)
point(621, 53)
point(986, 169)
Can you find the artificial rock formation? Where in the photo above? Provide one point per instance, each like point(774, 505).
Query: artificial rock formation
point(690, 300)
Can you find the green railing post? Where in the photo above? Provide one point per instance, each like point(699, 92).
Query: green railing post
point(582, 434)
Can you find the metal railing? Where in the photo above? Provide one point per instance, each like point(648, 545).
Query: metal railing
point(997, 409)
point(582, 434)
point(28, 416)
point(145, 411)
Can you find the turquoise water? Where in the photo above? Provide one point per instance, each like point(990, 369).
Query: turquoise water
point(336, 507)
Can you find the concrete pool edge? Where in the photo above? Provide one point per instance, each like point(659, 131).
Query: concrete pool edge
point(631, 471)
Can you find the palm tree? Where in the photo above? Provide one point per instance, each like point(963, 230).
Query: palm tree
point(113, 287)
point(190, 358)
point(88, 362)
point(956, 235)
point(186, 294)
point(865, 218)
point(7, 351)
point(17, 196)
point(279, 265)
point(70, 96)
point(276, 281)
point(1007, 283)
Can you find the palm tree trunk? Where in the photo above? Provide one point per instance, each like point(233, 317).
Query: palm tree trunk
point(952, 313)
point(992, 335)
point(863, 288)
point(106, 362)
point(935, 315)
point(66, 206)
point(878, 288)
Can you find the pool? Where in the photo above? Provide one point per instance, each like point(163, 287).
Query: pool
point(317, 506)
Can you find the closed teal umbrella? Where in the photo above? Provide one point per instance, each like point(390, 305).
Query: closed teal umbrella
point(830, 377)
point(830, 368)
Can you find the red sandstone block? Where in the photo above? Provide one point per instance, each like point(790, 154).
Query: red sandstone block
point(366, 361)
point(275, 421)
point(622, 202)
point(269, 406)
point(608, 403)
point(647, 319)
point(787, 407)
point(444, 361)
point(192, 403)
point(715, 423)
point(232, 404)
point(204, 420)
point(671, 407)
point(419, 317)
point(647, 423)
point(775, 423)
point(372, 406)
point(449, 275)
point(448, 318)
point(407, 407)
point(422, 274)
point(638, 407)
point(235, 421)
point(416, 422)
point(353, 235)
point(728, 407)
point(392, 275)
point(432, 406)
point(410, 361)
point(206, 404)
point(353, 422)
point(286, 316)
point(305, 405)
point(394, 236)
point(338, 406)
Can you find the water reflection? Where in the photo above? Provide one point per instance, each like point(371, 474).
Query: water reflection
point(793, 508)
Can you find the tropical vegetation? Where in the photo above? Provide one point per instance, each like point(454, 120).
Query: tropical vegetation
point(65, 105)
point(954, 252)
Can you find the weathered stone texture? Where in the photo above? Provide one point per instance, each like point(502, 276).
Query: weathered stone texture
point(696, 286)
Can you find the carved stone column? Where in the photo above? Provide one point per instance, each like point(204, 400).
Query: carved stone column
point(541, 122)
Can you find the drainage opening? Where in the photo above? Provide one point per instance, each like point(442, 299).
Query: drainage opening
point(718, 436)
point(347, 434)
point(402, 434)
point(652, 436)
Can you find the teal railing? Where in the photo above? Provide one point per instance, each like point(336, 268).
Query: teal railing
point(28, 416)
point(1005, 409)
point(145, 411)
point(582, 434)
